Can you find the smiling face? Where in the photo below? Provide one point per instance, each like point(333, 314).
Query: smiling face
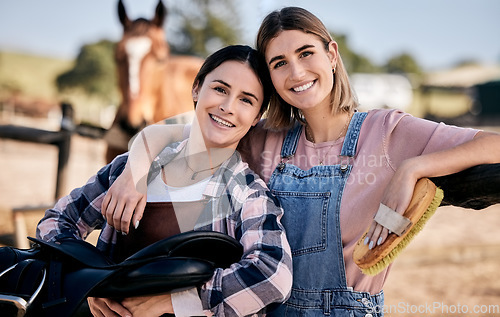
point(228, 104)
point(301, 68)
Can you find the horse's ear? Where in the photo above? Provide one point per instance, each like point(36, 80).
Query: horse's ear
point(160, 14)
point(122, 14)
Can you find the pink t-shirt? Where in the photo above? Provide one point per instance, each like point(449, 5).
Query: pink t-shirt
point(387, 138)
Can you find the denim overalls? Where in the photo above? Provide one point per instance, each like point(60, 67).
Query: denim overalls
point(311, 200)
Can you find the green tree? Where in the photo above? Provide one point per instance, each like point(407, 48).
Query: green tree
point(466, 62)
point(403, 63)
point(94, 72)
point(354, 62)
point(200, 27)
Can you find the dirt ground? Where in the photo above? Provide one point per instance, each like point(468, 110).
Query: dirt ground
point(450, 269)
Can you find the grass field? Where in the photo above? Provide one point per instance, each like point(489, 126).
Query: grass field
point(33, 76)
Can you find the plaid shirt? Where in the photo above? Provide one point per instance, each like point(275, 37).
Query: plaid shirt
point(241, 206)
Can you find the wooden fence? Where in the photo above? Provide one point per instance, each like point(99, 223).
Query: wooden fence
point(60, 139)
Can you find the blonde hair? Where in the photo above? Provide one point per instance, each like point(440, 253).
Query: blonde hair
point(282, 115)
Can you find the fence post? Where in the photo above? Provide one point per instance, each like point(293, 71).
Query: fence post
point(63, 144)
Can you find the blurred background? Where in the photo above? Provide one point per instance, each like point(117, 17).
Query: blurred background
point(434, 59)
point(55, 50)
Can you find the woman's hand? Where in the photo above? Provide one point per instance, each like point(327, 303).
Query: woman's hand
point(397, 196)
point(126, 198)
point(484, 148)
point(105, 307)
point(149, 306)
point(125, 201)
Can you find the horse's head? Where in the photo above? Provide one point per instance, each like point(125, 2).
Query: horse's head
point(154, 85)
point(141, 57)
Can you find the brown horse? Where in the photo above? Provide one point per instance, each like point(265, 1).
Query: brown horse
point(154, 85)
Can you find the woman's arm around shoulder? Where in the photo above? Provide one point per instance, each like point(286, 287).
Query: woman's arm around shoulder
point(125, 201)
point(79, 213)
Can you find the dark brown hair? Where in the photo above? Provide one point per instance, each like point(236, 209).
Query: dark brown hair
point(239, 53)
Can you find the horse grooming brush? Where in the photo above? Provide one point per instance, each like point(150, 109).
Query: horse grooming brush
point(425, 200)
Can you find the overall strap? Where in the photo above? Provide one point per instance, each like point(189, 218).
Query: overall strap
point(352, 134)
point(350, 141)
point(291, 140)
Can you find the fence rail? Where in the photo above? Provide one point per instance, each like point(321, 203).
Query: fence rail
point(61, 139)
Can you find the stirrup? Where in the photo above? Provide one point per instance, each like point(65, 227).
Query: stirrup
point(17, 306)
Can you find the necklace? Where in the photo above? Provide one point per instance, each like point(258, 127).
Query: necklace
point(311, 138)
point(195, 173)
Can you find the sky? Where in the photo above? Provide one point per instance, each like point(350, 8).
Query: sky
point(438, 33)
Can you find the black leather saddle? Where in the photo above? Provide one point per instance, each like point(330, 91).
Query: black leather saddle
point(53, 279)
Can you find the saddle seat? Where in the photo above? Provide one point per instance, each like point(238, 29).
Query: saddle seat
point(53, 278)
